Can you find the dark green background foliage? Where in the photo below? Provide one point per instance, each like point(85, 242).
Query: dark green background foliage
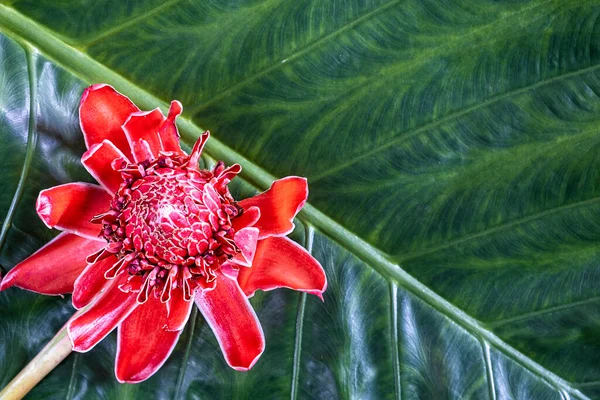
point(451, 148)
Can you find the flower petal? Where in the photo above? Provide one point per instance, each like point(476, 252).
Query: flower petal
point(234, 323)
point(249, 217)
point(93, 325)
point(178, 311)
point(102, 112)
point(141, 150)
point(91, 282)
point(245, 240)
point(143, 345)
point(144, 125)
point(71, 206)
point(169, 136)
point(279, 205)
point(280, 262)
point(98, 161)
point(197, 150)
point(53, 269)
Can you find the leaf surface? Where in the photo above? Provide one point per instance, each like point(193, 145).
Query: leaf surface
point(450, 148)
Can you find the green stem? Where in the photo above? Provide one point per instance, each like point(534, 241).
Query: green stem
point(46, 360)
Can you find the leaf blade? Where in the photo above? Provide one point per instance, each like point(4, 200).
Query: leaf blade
point(360, 242)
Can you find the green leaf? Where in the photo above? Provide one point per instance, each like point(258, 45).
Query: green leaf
point(451, 150)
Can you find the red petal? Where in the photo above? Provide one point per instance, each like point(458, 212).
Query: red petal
point(141, 150)
point(245, 240)
point(70, 208)
point(53, 269)
point(279, 205)
point(249, 217)
point(90, 327)
point(91, 282)
point(197, 150)
point(169, 136)
point(234, 323)
point(279, 262)
point(144, 125)
point(178, 311)
point(143, 345)
point(98, 161)
point(102, 112)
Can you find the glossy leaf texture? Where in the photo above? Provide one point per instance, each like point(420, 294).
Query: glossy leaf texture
point(451, 148)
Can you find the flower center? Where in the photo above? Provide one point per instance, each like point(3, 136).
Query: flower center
point(170, 226)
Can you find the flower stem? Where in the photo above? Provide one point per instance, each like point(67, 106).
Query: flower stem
point(46, 360)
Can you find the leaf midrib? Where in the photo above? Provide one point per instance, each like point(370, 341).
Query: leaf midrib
point(79, 64)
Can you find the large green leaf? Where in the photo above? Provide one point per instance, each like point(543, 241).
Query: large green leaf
point(451, 150)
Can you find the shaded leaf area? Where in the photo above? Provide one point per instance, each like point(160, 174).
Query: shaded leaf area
point(516, 383)
point(457, 137)
point(14, 119)
point(348, 339)
point(561, 334)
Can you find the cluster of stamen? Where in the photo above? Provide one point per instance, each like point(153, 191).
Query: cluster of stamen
point(169, 225)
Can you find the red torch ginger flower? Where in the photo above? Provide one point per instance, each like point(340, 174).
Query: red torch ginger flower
point(158, 235)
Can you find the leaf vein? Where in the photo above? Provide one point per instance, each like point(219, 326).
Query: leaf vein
point(395, 340)
point(407, 135)
point(367, 16)
point(467, 238)
point(31, 144)
point(309, 238)
point(223, 93)
point(84, 43)
point(73, 378)
point(186, 355)
point(488, 368)
point(537, 313)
